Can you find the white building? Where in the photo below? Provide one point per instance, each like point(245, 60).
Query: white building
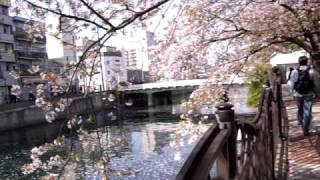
point(60, 45)
point(137, 49)
point(114, 67)
point(286, 61)
point(109, 70)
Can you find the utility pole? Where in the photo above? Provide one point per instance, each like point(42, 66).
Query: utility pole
point(101, 67)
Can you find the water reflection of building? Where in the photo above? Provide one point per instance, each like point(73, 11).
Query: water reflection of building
point(143, 141)
point(149, 140)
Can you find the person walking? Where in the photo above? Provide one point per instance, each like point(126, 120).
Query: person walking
point(302, 83)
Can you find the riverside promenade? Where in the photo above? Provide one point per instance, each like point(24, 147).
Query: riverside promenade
point(303, 151)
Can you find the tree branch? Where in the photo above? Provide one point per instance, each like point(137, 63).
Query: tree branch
point(139, 14)
point(212, 40)
point(66, 15)
point(97, 14)
point(295, 40)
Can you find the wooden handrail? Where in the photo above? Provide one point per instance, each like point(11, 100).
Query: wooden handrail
point(255, 156)
point(204, 155)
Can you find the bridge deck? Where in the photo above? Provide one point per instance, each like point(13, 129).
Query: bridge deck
point(303, 151)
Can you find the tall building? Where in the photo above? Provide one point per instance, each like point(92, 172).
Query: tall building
point(137, 51)
point(19, 51)
point(62, 45)
point(109, 71)
point(91, 66)
point(29, 51)
point(7, 59)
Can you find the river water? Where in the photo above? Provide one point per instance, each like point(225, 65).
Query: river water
point(144, 150)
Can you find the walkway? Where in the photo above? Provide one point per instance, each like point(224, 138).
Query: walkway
point(304, 152)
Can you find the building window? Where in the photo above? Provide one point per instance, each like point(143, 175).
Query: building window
point(5, 11)
point(108, 72)
point(117, 60)
point(1, 74)
point(5, 48)
point(8, 66)
point(6, 29)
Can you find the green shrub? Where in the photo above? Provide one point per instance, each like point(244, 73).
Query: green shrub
point(256, 78)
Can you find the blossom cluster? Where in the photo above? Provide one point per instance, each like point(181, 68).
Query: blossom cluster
point(37, 163)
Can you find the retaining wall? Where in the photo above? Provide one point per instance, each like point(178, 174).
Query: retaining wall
point(32, 115)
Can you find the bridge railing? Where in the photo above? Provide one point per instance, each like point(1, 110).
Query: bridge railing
point(243, 149)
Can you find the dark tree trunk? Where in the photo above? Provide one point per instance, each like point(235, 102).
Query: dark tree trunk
point(315, 58)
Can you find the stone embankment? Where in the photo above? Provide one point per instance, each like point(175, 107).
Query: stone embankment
point(32, 115)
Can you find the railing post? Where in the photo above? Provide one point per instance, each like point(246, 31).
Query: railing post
point(277, 96)
point(227, 160)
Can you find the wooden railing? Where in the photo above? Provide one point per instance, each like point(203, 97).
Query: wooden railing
point(246, 149)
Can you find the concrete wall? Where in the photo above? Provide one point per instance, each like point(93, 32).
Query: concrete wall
point(32, 115)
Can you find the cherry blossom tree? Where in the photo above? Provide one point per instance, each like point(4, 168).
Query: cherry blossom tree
point(232, 34)
point(76, 16)
point(235, 35)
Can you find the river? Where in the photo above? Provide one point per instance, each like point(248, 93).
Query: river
point(134, 150)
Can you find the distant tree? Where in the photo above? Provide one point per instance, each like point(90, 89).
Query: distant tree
point(257, 77)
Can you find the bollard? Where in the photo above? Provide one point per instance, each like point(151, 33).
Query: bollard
point(227, 160)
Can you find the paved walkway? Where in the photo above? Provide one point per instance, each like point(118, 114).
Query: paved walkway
point(303, 152)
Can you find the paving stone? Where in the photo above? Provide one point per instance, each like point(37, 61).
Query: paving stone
point(303, 151)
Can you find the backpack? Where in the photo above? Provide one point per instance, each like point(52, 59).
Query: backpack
point(304, 84)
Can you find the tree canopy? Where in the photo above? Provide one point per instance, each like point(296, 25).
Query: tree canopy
point(235, 35)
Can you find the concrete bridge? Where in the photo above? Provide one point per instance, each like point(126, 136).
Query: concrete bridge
point(172, 93)
point(152, 100)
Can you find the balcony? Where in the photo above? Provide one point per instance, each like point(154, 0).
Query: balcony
point(32, 80)
point(20, 34)
point(25, 48)
point(5, 2)
point(31, 55)
point(7, 57)
point(8, 38)
point(26, 73)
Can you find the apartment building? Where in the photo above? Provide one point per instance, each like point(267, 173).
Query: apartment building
point(28, 50)
point(137, 51)
point(113, 67)
point(7, 58)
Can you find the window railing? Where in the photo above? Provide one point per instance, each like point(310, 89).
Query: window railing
point(24, 36)
point(31, 55)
